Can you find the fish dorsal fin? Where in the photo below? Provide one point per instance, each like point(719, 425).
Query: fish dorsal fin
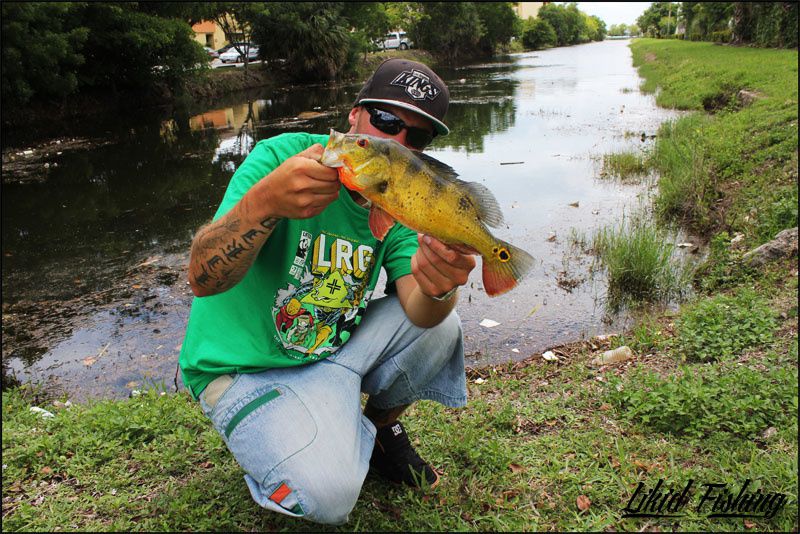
point(442, 169)
point(488, 209)
point(485, 204)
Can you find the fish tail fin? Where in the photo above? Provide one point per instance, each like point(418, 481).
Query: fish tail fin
point(504, 268)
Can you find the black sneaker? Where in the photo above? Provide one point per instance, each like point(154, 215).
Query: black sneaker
point(394, 458)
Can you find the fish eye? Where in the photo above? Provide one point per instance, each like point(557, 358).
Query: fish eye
point(362, 143)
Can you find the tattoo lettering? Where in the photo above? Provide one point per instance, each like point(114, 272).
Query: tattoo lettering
point(225, 258)
point(270, 223)
point(213, 261)
point(233, 250)
point(203, 278)
point(250, 235)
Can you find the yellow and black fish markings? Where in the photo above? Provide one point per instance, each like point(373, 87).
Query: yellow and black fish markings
point(427, 196)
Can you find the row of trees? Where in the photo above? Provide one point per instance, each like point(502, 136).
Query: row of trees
point(767, 24)
point(561, 25)
point(618, 30)
point(51, 51)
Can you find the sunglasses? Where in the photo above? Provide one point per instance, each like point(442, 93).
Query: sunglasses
point(391, 124)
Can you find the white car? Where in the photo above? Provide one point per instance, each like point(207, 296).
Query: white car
point(396, 40)
point(233, 55)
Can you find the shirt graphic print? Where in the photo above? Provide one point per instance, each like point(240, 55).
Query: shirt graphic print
point(317, 313)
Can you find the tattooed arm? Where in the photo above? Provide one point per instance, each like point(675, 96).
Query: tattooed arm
point(224, 250)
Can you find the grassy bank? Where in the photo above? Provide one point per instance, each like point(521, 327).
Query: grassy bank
point(732, 166)
point(710, 395)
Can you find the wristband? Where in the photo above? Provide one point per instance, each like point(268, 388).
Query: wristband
point(446, 296)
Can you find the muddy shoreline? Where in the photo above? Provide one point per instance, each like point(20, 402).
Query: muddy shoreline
point(145, 311)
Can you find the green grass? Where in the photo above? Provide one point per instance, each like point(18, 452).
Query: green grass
point(626, 166)
point(702, 400)
point(721, 327)
point(641, 261)
point(735, 168)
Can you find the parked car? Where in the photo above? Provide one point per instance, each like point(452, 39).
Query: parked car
point(232, 55)
point(212, 54)
point(396, 40)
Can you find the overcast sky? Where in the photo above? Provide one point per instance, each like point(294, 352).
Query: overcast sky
point(615, 12)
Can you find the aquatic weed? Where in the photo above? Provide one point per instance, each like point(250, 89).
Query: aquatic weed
point(641, 261)
point(625, 166)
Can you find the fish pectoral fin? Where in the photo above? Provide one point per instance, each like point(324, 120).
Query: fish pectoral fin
point(380, 222)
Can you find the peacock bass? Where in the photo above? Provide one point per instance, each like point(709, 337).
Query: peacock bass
point(426, 196)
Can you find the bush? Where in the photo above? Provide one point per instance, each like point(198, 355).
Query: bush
point(451, 31)
point(721, 327)
point(538, 34)
point(722, 36)
point(703, 400)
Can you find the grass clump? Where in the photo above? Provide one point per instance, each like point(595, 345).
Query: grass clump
point(720, 327)
point(641, 262)
point(685, 191)
point(626, 166)
point(702, 400)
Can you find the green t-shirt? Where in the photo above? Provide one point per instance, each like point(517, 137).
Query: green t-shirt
point(307, 289)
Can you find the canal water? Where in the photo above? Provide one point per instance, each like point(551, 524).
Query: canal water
point(96, 229)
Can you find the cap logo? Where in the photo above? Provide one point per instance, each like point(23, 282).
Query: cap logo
point(417, 85)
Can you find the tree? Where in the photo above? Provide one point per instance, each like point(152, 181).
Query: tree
point(451, 31)
point(130, 51)
point(766, 24)
point(538, 34)
point(313, 37)
point(369, 22)
point(570, 24)
point(704, 18)
point(618, 30)
point(42, 49)
point(500, 24)
point(556, 17)
point(659, 20)
point(402, 15)
point(599, 25)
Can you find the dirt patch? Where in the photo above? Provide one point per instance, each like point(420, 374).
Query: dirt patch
point(650, 57)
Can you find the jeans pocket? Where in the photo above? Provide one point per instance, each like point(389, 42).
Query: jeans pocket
point(267, 430)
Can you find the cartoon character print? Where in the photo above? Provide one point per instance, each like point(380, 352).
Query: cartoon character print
point(318, 316)
point(298, 334)
point(289, 312)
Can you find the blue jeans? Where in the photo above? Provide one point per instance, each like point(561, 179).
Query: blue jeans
point(299, 432)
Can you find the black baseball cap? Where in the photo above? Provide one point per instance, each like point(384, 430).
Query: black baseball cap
point(409, 85)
